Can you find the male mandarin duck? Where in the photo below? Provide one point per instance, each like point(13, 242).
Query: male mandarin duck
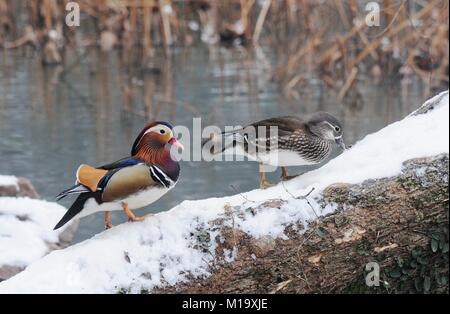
point(129, 183)
point(298, 141)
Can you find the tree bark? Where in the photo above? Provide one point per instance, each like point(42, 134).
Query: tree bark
point(400, 223)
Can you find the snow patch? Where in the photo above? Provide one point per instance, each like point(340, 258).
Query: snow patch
point(230, 255)
point(26, 229)
point(9, 181)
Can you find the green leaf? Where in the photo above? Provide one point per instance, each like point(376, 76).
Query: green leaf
point(416, 253)
point(418, 284)
point(404, 286)
point(445, 248)
point(321, 232)
point(422, 260)
point(426, 283)
point(395, 273)
point(434, 245)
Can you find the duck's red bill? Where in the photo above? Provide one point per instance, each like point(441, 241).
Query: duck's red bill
point(174, 142)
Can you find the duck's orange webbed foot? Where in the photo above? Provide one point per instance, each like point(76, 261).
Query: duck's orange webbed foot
point(131, 216)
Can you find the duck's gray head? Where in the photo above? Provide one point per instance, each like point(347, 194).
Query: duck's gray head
point(327, 127)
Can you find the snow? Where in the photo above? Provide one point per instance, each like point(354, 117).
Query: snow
point(26, 229)
point(230, 255)
point(9, 181)
point(164, 249)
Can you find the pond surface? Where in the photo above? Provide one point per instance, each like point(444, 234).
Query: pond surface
point(53, 120)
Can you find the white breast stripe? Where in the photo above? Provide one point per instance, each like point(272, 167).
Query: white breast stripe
point(161, 177)
point(165, 176)
point(157, 177)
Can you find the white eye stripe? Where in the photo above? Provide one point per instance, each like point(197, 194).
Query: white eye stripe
point(157, 129)
point(337, 128)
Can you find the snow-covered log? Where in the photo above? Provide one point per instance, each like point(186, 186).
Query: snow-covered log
point(400, 223)
point(385, 200)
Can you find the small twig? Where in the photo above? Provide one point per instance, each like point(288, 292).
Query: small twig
point(302, 270)
point(348, 83)
point(305, 239)
point(312, 208)
point(378, 235)
point(242, 195)
point(281, 286)
point(302, 197)
point(391, 32)
point(421, 232)
point(260, 21)
point(297, 197)
point(392, 21)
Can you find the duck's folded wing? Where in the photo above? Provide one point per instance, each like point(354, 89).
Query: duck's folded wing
point(260, 135)
point(89, 178)
point(96, 178)
point(128, 181)
point(107, 186)
point(285, 125)
point(94, 182)
point(92, 177)
point(121, 163)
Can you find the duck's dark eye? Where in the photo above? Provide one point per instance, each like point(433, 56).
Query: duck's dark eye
point(162, 131)
point(337, 129)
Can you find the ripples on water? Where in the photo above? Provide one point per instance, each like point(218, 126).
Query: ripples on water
point(50, 123)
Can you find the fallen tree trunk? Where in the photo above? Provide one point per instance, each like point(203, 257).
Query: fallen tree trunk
point(399, 223)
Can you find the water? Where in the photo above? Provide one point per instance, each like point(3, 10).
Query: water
point(50, 123)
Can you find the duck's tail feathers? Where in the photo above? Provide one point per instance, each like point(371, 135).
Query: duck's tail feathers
point(76, 207)
point(219, 143)
point(76, 189)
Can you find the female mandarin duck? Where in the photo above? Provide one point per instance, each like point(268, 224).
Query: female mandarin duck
point(299, 141)
point(132, 182)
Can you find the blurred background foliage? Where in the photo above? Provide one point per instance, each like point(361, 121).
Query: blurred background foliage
point(327, 40)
